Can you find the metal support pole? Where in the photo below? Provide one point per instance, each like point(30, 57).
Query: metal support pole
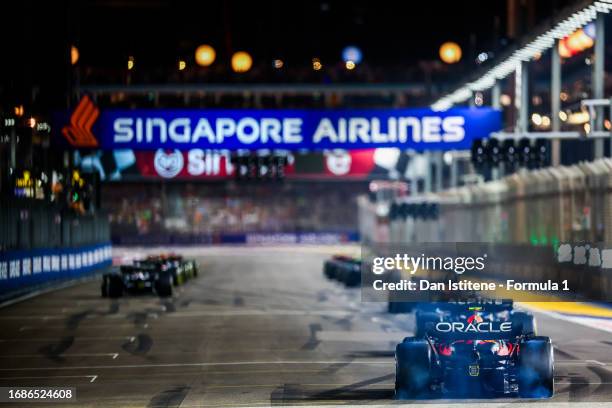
point(555, 103)
point(414, 180)
point(496, 104)
point(495, 96)
point(439, 164)
point(13, 153)
point(427, 181)
point(454, 170)
point(521, 97)
point(471, 102)
point(598, 80)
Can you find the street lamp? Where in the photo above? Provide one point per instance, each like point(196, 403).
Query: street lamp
point(205, 55)
point(74, 55)
point(241, 61)
point(450, 52)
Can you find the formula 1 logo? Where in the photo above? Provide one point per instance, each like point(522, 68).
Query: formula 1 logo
point(168, 165)
point(78, 132)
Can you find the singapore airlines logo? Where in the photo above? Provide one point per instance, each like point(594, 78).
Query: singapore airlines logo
point(78, 132)
point(168, 165)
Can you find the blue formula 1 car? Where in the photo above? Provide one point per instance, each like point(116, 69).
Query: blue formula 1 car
point(344, 269)
point(472, 355)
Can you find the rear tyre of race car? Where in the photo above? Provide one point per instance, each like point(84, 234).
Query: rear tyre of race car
point(526, 321)
point(104, 286)
point(178, 278)
point(163, 285)
point(536, 368)
point(413, 364)
point(329, 269)
point(353, 278)
point(112, 286)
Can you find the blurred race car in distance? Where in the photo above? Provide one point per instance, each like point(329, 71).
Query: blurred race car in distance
point(155, 273)
point(182, 269)
point(344, 269)
point(472, 356)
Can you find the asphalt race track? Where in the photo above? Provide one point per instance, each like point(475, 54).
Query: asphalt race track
point(258, 327)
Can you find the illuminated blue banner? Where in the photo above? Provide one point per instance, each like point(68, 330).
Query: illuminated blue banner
point(419, 129)
point(22, 270)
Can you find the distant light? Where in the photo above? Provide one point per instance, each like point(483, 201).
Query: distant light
point(505, 100)
point(564, 52)
point(536, 100)
point(587, 61)
point(31, 122)
point(478, 99)
point(608, 124)
point(350, 65)
point(578, 118)
point(577, 42)
point(450, 52)
point(589, 30)
point(562, 116)
point(587, 128)
point(564, 96)
point(205, 55)
point(352, 53)
point(536, 119)
point(316, 64)
point(19, 111)
point(482, 57)
point(545, 121)
point(181, 65)
point(278, 63)
point(537, 56)
point(130, 64)
point(448, 158)
point(74, 55)
point(241, 61)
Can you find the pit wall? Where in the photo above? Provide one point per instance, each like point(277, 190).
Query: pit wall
point(564, 207)
point(542, 207)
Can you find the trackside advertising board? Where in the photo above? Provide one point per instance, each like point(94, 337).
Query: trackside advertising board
point(22, 269)
point(152, 129)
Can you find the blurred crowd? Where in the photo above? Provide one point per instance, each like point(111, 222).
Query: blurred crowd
point(136, 209)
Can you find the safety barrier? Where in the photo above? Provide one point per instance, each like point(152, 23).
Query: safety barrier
point(546, 208)
point(22, 271)
point(541, 207)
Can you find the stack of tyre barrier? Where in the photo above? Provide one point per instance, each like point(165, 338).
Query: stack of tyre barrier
point(157, 274)
point(344, 269)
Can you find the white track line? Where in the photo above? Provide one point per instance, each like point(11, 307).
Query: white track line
point(220, 364)
point(64, 355)
point(91, 378)
point(593, 323)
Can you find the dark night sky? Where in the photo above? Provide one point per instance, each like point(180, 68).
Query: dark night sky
point(37, 35)
point(387, 31)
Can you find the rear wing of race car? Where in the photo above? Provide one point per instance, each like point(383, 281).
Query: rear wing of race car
point(140, 267)
point(465, 306)
point(452, 331)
